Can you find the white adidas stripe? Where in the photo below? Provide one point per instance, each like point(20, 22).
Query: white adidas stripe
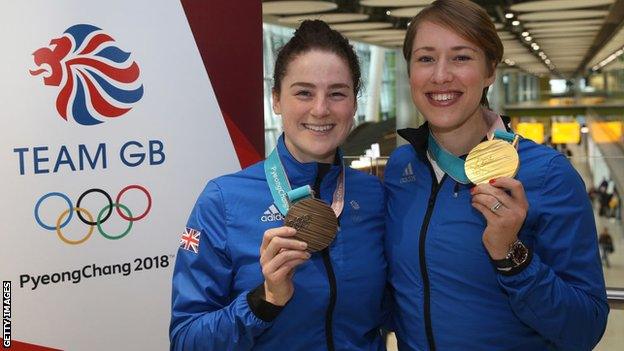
point(272, 210)
point(408, 170)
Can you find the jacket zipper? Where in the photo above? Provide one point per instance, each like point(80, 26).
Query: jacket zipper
point(329, 333)
point(435, 187)
point(331, 276)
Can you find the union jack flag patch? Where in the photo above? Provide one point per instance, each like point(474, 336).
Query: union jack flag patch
point(190, 240)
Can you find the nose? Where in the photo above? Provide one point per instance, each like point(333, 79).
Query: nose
point(442, 73)
point(321, 106)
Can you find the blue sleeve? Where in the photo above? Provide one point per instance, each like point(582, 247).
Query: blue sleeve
point(561, 294)
point(391, 173)
point(204, 315)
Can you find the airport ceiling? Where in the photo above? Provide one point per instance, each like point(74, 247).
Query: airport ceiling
point(559, 37)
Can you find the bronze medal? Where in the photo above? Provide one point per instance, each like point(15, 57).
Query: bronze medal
point(315, 222)
point(491, 159)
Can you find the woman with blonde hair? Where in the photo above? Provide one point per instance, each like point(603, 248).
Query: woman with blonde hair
point(510, 263)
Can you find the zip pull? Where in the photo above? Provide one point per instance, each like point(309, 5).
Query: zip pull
point(456, 190)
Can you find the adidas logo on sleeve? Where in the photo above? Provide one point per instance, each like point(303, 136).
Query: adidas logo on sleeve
point(272, 215)
point(408, 174)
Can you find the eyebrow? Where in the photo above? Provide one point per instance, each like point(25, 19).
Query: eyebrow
point(454, 48)
point(310, 85)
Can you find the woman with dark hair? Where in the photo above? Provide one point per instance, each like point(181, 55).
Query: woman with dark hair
point(239, 289)
point(491, 241)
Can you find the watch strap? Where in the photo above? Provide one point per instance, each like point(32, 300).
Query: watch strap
point(519, 268)
point(508, 265)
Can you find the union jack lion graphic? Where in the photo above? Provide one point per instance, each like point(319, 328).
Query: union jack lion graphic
point(98, 80)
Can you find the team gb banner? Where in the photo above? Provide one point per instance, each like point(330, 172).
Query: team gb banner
point(110, 128)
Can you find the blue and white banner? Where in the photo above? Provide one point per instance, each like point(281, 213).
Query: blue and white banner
point(110, 130)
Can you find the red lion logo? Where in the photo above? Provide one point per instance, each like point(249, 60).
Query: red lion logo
point(98, 80)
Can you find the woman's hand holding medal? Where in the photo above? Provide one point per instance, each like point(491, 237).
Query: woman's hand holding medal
point(311, 225)
point(280, 254)
point(504, 205)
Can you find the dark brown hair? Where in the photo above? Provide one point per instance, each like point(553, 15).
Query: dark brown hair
point(316, 34)
point(468, 20)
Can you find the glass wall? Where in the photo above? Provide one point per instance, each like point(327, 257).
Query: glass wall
point(274, 38)
point(388, 85)
point(519, 86)
point(609, 81)
point(364, 56)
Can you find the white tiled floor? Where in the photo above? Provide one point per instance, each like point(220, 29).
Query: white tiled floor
point(614, 276)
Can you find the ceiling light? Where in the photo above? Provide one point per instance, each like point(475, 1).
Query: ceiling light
point(388, 12)
point(296, 7)
point(515, 23)
point(611, 58)
point(509, 15)
point(547, 61)
point(528, 38)
point(525, 34)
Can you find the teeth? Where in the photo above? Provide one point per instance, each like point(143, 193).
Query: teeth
point(443, 97)
point(318, 128)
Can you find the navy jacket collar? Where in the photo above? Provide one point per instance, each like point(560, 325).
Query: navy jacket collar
point(299, 173)
point(417, 137)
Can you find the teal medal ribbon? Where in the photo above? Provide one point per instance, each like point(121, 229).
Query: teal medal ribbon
point(504, 135)
point(449, 163)
point(453, 165)
point(284, 195)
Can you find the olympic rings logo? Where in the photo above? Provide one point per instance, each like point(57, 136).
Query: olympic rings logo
point(103, 215)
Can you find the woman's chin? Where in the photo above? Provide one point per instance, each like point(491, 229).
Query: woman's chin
point(323, 154)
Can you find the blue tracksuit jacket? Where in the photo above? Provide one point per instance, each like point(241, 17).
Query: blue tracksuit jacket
point(449, 296)
point(339, 299)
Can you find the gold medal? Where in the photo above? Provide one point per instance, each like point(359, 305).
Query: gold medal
point(315, 222)
point(492, 159)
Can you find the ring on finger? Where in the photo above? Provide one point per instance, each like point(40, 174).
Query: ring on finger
point(496, 206)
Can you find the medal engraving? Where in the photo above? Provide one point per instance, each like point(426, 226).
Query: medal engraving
point(491, 159)
point(315, 222)
point(298, 222)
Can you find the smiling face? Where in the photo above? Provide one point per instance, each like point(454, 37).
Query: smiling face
point(447, 76)
point(317, 104)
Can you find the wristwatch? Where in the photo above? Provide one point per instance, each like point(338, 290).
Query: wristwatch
point(517, 256)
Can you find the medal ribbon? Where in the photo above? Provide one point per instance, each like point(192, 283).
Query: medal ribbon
point(449, 163)
point(453, 165)
point(282, 192)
